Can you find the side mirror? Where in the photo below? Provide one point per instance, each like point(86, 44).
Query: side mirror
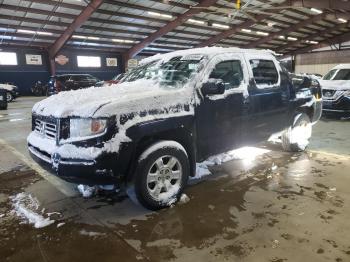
point(213, 87)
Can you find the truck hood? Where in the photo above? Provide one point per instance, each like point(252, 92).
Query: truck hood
point(128, 97)
point(335, 84)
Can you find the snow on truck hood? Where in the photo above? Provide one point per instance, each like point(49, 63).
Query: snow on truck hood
point(335, 84)
point(125, 97)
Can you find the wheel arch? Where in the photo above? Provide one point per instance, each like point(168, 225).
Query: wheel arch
point(180, 135)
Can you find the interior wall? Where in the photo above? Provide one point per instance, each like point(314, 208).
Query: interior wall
point(25, 76)
point(320, 62)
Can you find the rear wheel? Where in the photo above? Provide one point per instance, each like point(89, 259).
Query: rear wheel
point(161, 174)
point(296, 138)
point(9, 97)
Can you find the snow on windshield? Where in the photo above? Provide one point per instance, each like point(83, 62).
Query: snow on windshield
point(173, 73)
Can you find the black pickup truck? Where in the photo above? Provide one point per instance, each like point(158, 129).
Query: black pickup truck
point(170, 112)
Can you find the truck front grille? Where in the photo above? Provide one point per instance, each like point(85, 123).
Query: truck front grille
point(46, 129)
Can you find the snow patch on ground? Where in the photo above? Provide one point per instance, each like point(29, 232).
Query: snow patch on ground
point(26, 207)
point(243, 153)
point(86, 191)
point(184, 199)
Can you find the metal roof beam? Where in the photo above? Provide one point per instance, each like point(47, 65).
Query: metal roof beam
point(78, 21)
point(327, 42)
point(321, 4)
point(168, 27)
point(313, 37)
point(291, 29)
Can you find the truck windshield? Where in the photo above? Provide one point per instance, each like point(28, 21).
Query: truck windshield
point(174, 73)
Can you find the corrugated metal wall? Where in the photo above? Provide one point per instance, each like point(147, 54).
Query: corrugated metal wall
point(320, 62)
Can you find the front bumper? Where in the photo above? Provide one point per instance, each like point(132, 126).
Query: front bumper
point(98, 171)
point(341, 105)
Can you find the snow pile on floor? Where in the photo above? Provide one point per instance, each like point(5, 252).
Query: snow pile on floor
point(26, 207)
point(184, 199)
point(87, 191)
point(243, 153)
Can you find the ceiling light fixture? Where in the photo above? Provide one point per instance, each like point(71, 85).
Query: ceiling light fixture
point(246, 30)
point(262, 33)
point(317, 11)
point(292, 38)
point(33, 32)
point(79, 36)
point(93, 38)
point(220, 26)
point(122, 41)
point(196, 21)
point(159, 14)
point(342, 20)
point(281, 37)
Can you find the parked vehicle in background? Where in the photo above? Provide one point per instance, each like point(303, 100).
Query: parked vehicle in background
point(67, 82)
point(115, 80)
point(3, 99)
point(39, 89)
point(170, 112)
point(336, 90)
point(11, 91)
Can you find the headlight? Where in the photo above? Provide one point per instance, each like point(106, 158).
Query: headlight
point(303, 94)
point(82, 127)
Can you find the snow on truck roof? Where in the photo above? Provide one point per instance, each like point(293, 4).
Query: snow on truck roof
point(209, 51)
point(342, 66)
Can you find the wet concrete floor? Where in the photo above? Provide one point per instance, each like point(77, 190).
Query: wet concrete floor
point(278, 207)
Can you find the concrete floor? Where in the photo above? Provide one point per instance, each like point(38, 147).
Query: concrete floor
point(245, 211)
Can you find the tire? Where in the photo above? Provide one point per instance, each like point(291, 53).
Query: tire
point(9, 96)
point(296, 138)
point(158, 185)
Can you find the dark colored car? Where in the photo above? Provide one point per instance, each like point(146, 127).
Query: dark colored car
point(11, 91)
point(70, 82)
point(3, 99)
point(113, 81)
point(336, 91)
point(169, 113)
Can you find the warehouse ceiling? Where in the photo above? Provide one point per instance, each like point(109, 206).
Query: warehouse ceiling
point(149, 27)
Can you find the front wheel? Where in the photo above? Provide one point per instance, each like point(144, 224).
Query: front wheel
point(9, 97)
point(161, 174)
point(296, 138)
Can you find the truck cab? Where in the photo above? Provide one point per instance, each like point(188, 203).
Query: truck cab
point(167, 114)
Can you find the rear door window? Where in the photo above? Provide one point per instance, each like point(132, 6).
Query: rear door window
point(230, 72)
point(264, 72)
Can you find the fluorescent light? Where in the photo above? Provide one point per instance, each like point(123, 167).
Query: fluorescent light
point(292, 38)
point(25, 31)
point(159, 14)
point(342, 20)
point(220, 26)
point(196, 21)
point(93, 38)
point(43, 33)
point(281, 37)
point(79, 36)
point(262, 33)
point(33, 32)
point(311, 42)
point(246, 30)
point(122, 41)
point(317, 11)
